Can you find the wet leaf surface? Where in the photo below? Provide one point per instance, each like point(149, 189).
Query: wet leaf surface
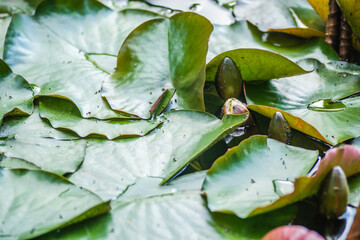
point(242, 180)
point(35, 202)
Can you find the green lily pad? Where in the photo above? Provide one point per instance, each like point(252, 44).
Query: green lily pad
point(15, 93)
point(4, 24)
point(183, 136)
point(35, 202)
point(57, 49)
point(255, 65)
point(243, 179)
point(173, 211)
point(305, 100)
point(354, 187)
point(351, 11)
point(347, 157)
point(50, 149)
point(158, 55)
point(64, 114)
point(18, 6)
point(297, 16)
point(243, 34)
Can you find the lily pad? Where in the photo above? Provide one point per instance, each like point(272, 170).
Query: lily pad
point(255, 65)
point(243, 34)
point(4, 24)
point(18, 6)
point(110, 167)
point(315, 103)
point(158, 55)
point(347, 157)
point(15, 93)
point(173, 211)
point(243, 179)
point(295, 17)
point(34, 202)
point(50, 149)
point(63, 41)
point(64, 114)
point(354, 186)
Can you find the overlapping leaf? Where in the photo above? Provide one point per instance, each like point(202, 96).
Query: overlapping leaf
point(18, 6)
point(110, 166)
point(4, 24)
point(293, 17)
point(65, 115)
point(255, 65)
point(33, 140)
point(34, 202)
point(243, 179)
point(245, 35)
point(158, 55)
point(175, 211)
point(15, 93)
point(351, 11)
point(67, 47)
point(298, 98)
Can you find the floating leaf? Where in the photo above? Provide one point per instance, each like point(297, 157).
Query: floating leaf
point(57, 49)
point(64, 114)
point(354, 186)
point(321, 7)
point(243, 179)
point(4, 24)
point(15, 93)
point(255, 64)
point(243, 34)
point(161, 54)
point(315, 103)
point(50, 149)
point(35, 202)
point(293, 17)
point(351, 11)
point(173, 211)
point(183, 136)
point(347, 157)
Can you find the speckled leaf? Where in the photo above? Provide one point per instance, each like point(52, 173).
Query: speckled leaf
point(255, 64)
point(34, 202)
point(67, 47)
point(64, 114)
point(347, 157)
point(243, 179)
point(15, 93)
point(35, 141)
point(332, 81)
point(243, 34)
point(110, 166)
point(161, 54)
point(174, 211)
point(18, 6)
point(294, 17)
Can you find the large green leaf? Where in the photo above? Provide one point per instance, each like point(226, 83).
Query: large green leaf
point(110, 166)
point(18, 6)
point(300, 97)
point(243, 34)
point(34, 202)
point(68, 49)
point(255, 64)
point(175, 211)
point(347, 157)
point(244, 178)
point(35, 141)
point(161, 54)
point(295, 17)
point(4, 24)
point(351, 11)
point(15, 93)
point(64, 114)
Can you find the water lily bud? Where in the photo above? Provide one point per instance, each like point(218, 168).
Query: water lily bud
point(279, 128)
point(228, 80)
point(233, 106)
point(292, 232)
point(334, 193)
